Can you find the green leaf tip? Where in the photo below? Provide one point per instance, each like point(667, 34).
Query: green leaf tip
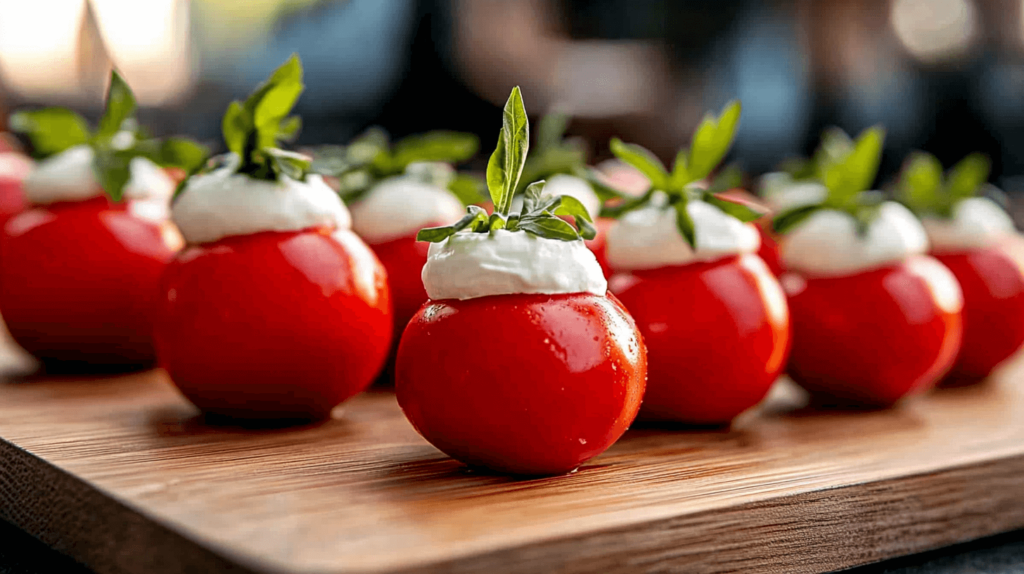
point(505, 166)
point(120, 106)
point(925, 190)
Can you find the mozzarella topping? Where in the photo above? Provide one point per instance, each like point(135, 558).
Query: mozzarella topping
point(222, 204)
point(470, 265)
point(14, 166)
point(781, 193)
point(401, 206)
point(68, 176)
point(648, 237)
point(572, 186)
point(827, 243)
point(976, 222)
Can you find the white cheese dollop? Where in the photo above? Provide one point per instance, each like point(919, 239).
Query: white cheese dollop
point(68, 176)
point(781, 193)
point(827, 242)
point(222, 203)
point(570, 185)
point(470, 265)
point(976, 222)
point(648, 237)
point(400, 206)
point(14, 166)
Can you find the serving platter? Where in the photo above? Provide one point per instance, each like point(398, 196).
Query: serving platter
point(121, 474)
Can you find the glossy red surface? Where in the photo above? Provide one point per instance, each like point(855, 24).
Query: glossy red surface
point(599, 243)
point(993, 316)
point(79, 282)
point(872, 338)
point(523, 384)
point(769, 250)
point(12, 199)
point(403, 258)
point(274, 325)
point(717, 336)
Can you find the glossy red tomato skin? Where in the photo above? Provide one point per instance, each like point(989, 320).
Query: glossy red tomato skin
point(599, 244)
point(80, 281)
point(871, 338)
point(274, 325)
point(522, 384)
point(403, 259)
point(769, 250)
point(12, 199)
point(717, 336)
point(993, 316)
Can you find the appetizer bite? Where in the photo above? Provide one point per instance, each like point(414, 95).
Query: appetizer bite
point(968, 233)
point(713, 316)
point(275, 309)
point(519, 362)
point(393, 191)
point(81, 266)
point(874, 319)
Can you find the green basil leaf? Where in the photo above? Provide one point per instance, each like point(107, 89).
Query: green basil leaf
point(533, 197)
point(642, 159)
point(857, 171)
point(730, 177)
point(787, 220)
point(183, 153)
point(685, 224)
point(570, 206)
point(744, 212)
point(289, 129)
point(474, 215)
point(712, 140)
point(549, 227)
point(506, 163)
point(920, 183)
point(119, 107)
point(552, 130)
point(236, 126)
point(835, 146)
point(370, 145)
point(50, 130)
point(442, 146)
point(469, 189)
point(292, 164)
point(618, 210)
point(680, 171)
point(967, 176)
point(112, 169)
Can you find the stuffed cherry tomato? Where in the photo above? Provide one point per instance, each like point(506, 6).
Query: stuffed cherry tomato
point(275, 310)
point(520, 362)
point(14, 167)
point(873, 319)
point(714, 318)
point(80, 273)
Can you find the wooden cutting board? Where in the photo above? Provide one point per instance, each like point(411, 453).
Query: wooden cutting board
point(121, 474)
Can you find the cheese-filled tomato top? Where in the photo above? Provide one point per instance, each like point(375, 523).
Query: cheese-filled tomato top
point(828, 243)
point(224, 203)
point(69, 176)
point(471, 265)
point(400, 206)
point(781, 192)
point(14, 166)
point(649, 238)
point(975, 222)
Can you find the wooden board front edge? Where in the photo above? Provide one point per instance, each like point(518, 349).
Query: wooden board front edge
point(120, 474)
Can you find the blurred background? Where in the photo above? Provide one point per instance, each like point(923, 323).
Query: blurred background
point(946, 76)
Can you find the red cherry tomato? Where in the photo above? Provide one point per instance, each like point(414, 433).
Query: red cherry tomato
point(717, 336)
point(769, 250)
point(403, 259)
point(993, 315)
point(871, 338)
point(12, 199)
point(274, 325)
point(599, 243)
point(80, 282)
point(524, 384)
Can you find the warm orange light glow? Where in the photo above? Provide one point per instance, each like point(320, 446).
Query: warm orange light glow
point(39, 42)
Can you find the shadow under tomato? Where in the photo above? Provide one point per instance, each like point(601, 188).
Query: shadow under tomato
point(185, 421)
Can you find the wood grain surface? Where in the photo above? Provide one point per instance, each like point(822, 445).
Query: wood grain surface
point(121, 474)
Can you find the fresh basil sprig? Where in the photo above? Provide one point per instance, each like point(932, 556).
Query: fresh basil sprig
point(925, 190)
point(709, 145)
point(116, 141)
point(847, 172)
point(541, 214)
point(371, 157)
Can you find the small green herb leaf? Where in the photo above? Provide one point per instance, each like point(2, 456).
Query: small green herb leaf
point(236, 127)
point(642, 159)
point(571, 207)
point(856, 172)
point(549, 228)
point(920, 183)
point(112, 169)
point(506, 164)
point(966, 177)
point(294, 165)
point(789, 219)
point(742, 211)
point(119, 107)
point(685, 224)
point(51, 130)
point(449, 147)
point(680, 171)
point(712, 140)
point(835, 145)
point(730, 177)
point(474, 216)
point(183, 153)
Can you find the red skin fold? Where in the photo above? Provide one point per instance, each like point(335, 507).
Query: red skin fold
point(871, 338)
point(274, 325)
point(717, 336)
point(993, 317)
point(80, 282)
point(522, 384)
